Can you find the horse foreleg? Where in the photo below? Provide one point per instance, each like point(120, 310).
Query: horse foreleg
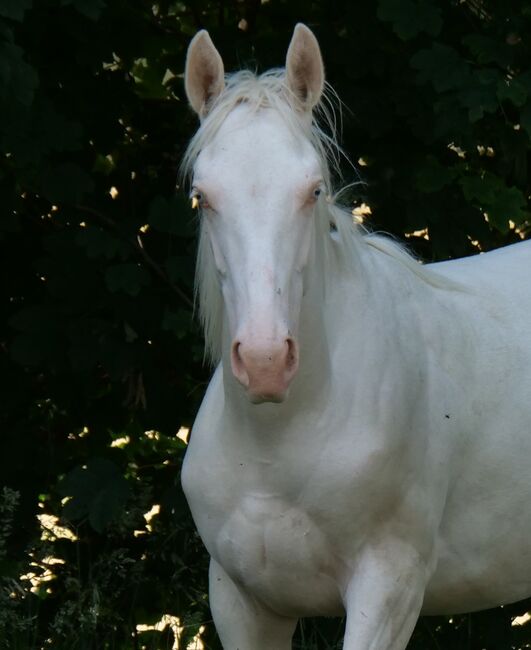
point(243, 623)
point(384, 598)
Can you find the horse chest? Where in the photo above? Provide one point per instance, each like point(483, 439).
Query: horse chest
point(277, 552)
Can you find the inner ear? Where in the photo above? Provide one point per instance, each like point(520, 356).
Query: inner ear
point(204, 76)
point(304, 68)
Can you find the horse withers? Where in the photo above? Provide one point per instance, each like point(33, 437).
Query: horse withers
point(364, 444)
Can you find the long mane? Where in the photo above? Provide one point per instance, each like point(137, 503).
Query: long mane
point(270, 91)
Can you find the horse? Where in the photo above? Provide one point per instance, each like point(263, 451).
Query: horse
point(363, 447)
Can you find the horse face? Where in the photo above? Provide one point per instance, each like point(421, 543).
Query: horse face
point(258, 186)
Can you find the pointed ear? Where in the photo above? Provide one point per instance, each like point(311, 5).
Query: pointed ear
point(204, 73)
point(304, 67)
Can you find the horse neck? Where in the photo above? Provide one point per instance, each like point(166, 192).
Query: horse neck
point(360, 328)
point(388, 326)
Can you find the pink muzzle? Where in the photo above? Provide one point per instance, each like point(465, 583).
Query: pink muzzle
point(265, 372)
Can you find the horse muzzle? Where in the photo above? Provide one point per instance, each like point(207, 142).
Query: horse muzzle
point(265, 371)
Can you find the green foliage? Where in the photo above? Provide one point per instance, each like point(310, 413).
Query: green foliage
point(411, 17)
point(96, 490)
point(101, 356)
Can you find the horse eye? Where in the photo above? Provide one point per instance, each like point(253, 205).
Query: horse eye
point(198, 200)
point(317, 192)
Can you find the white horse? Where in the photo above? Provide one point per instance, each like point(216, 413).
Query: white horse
point(364, 446)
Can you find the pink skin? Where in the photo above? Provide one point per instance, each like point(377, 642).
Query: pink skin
point(265, 373)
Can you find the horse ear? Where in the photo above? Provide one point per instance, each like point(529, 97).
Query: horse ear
point(304, 67)
point(204, 73)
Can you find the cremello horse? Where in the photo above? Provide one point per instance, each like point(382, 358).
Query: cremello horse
point(364, 446)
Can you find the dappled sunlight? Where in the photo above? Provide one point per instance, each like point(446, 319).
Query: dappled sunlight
point(183, 434)
point(121, 442)
point(174, 623)
point(51, 531)
point(360, 212)
point(422, 233)
point(521, 620)
point(44, 574)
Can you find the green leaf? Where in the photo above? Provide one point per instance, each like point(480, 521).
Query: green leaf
point(97, 242)
point(89, 8)
point(525, 118)
point(104, 164)
point(513, 90)
point(129, 278)
point(14, 9)
point(191, 625)
point(148, 76)
point(433, 176)
point(179, 323)
point(488, 50)
point(65, 183)
point(40, 336)
point(479, 96)
point(491, 195)
point(411, 17)
point(29, 350)
point(443, 67)
point(170, 216)
point(179, 269)
point(109, 503)
point(97, 490)
point(18, 80)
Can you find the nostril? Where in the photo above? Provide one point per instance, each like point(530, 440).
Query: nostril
point(236, 351)
point(292, 357)
point(238, 366)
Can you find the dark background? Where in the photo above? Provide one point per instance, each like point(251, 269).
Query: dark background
point(98, 342)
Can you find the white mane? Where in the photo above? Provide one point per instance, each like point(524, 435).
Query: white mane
point(269, 90)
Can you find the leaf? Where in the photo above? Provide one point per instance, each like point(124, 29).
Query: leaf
point(501, 203)
point(180, 269)
point(411, 17)
point(35, 318)
point(65, 183)
point(191, 624)
point(109, 503)
point(149, 77)
point(488, 50)
point(97, 490)
point(18, 80)
point(433, 176)
point(97, 242)
point(170, 216)
point(14, 9)
point(442, 66)
point(525, 118)
point(40, 337)
point(129, 278)
point(513, 90)
point(179, 322)
point(33, 349)
point(89, 8)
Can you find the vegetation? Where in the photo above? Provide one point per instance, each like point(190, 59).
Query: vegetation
point(100, 355)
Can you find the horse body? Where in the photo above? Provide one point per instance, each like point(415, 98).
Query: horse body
point(378, 465)
point(487, 517)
